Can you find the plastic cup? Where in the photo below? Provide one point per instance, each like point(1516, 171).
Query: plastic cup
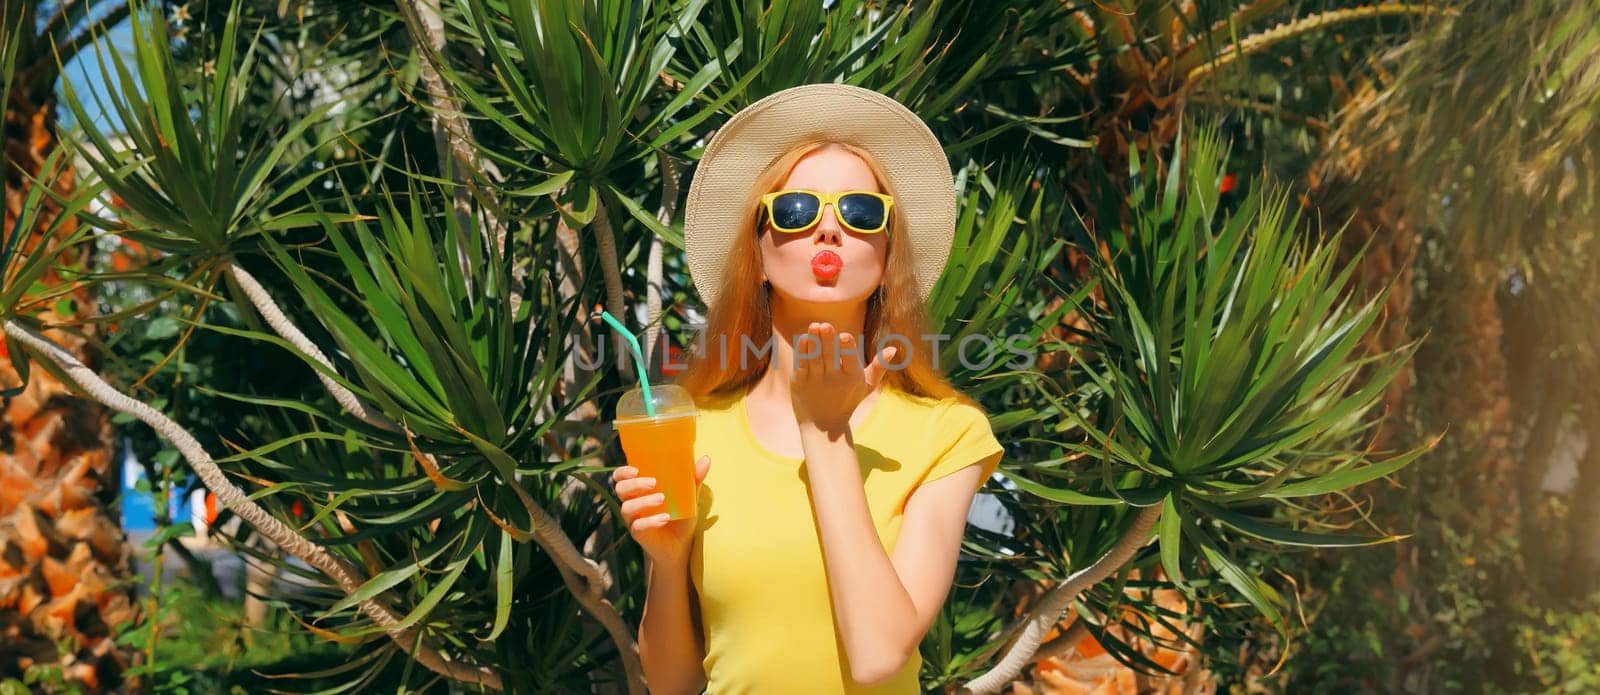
point(662, 447)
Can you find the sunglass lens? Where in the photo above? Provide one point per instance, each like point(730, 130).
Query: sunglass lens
point(794, 210)
point(861, 211)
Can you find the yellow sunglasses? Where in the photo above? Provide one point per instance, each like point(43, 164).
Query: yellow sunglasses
point(863, 212)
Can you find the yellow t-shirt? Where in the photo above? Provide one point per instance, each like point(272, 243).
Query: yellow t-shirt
point(757, 564)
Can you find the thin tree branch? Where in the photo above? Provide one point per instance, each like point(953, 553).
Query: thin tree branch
point(427, 34)
point(583, 578)
point(1063, 642)
point(451, 131)
point(571, 271)
point(280, 323)
point(1048, 611)
point(67, 11)
point(583, 575)
point(612, 274)
point(1195, 67)
point(653, 270)
point(347, 577)
point(569, 267)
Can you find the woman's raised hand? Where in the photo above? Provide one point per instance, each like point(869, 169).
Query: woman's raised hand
point(826, 388)
point(663, 539)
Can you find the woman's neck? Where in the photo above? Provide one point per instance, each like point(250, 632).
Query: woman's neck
point(790, 320)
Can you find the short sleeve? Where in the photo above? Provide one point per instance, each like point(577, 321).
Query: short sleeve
point(963, 438)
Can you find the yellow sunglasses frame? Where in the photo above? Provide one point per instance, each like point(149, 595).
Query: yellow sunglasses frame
point(828, 199)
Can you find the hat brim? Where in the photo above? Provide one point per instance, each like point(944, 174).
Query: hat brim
point(748, 144)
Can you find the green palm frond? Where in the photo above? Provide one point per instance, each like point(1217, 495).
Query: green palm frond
point(434, 341)
point(1222, 373)
point(1482, 133)
point(575, 87)
point(195, 176)
point(987, 301)
point(763, 49)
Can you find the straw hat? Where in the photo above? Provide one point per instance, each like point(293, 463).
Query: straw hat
point(906, 150)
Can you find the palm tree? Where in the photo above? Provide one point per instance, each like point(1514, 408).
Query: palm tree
point(1468, 166)
point(62, 558)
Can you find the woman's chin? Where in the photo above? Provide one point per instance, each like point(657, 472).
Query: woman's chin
point(820, 291)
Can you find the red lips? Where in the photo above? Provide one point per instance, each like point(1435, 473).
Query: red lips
point(826, 265)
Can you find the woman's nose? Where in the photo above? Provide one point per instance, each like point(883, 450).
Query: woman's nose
point(827, 230)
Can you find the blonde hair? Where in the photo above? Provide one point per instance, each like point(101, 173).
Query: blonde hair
point(742, 310)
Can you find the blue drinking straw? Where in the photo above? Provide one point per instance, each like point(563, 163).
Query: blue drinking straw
point(638, 362)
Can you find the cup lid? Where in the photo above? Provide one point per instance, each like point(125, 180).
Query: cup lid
point(668, 399)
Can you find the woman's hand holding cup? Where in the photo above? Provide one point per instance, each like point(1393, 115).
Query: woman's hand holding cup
point(662, 538)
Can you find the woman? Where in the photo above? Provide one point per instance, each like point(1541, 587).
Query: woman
point(830, 525)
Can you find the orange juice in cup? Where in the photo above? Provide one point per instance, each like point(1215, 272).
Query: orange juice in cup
point(662, 446)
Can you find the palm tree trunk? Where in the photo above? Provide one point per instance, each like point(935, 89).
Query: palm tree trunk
point(343, 573)
point(63, 561)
